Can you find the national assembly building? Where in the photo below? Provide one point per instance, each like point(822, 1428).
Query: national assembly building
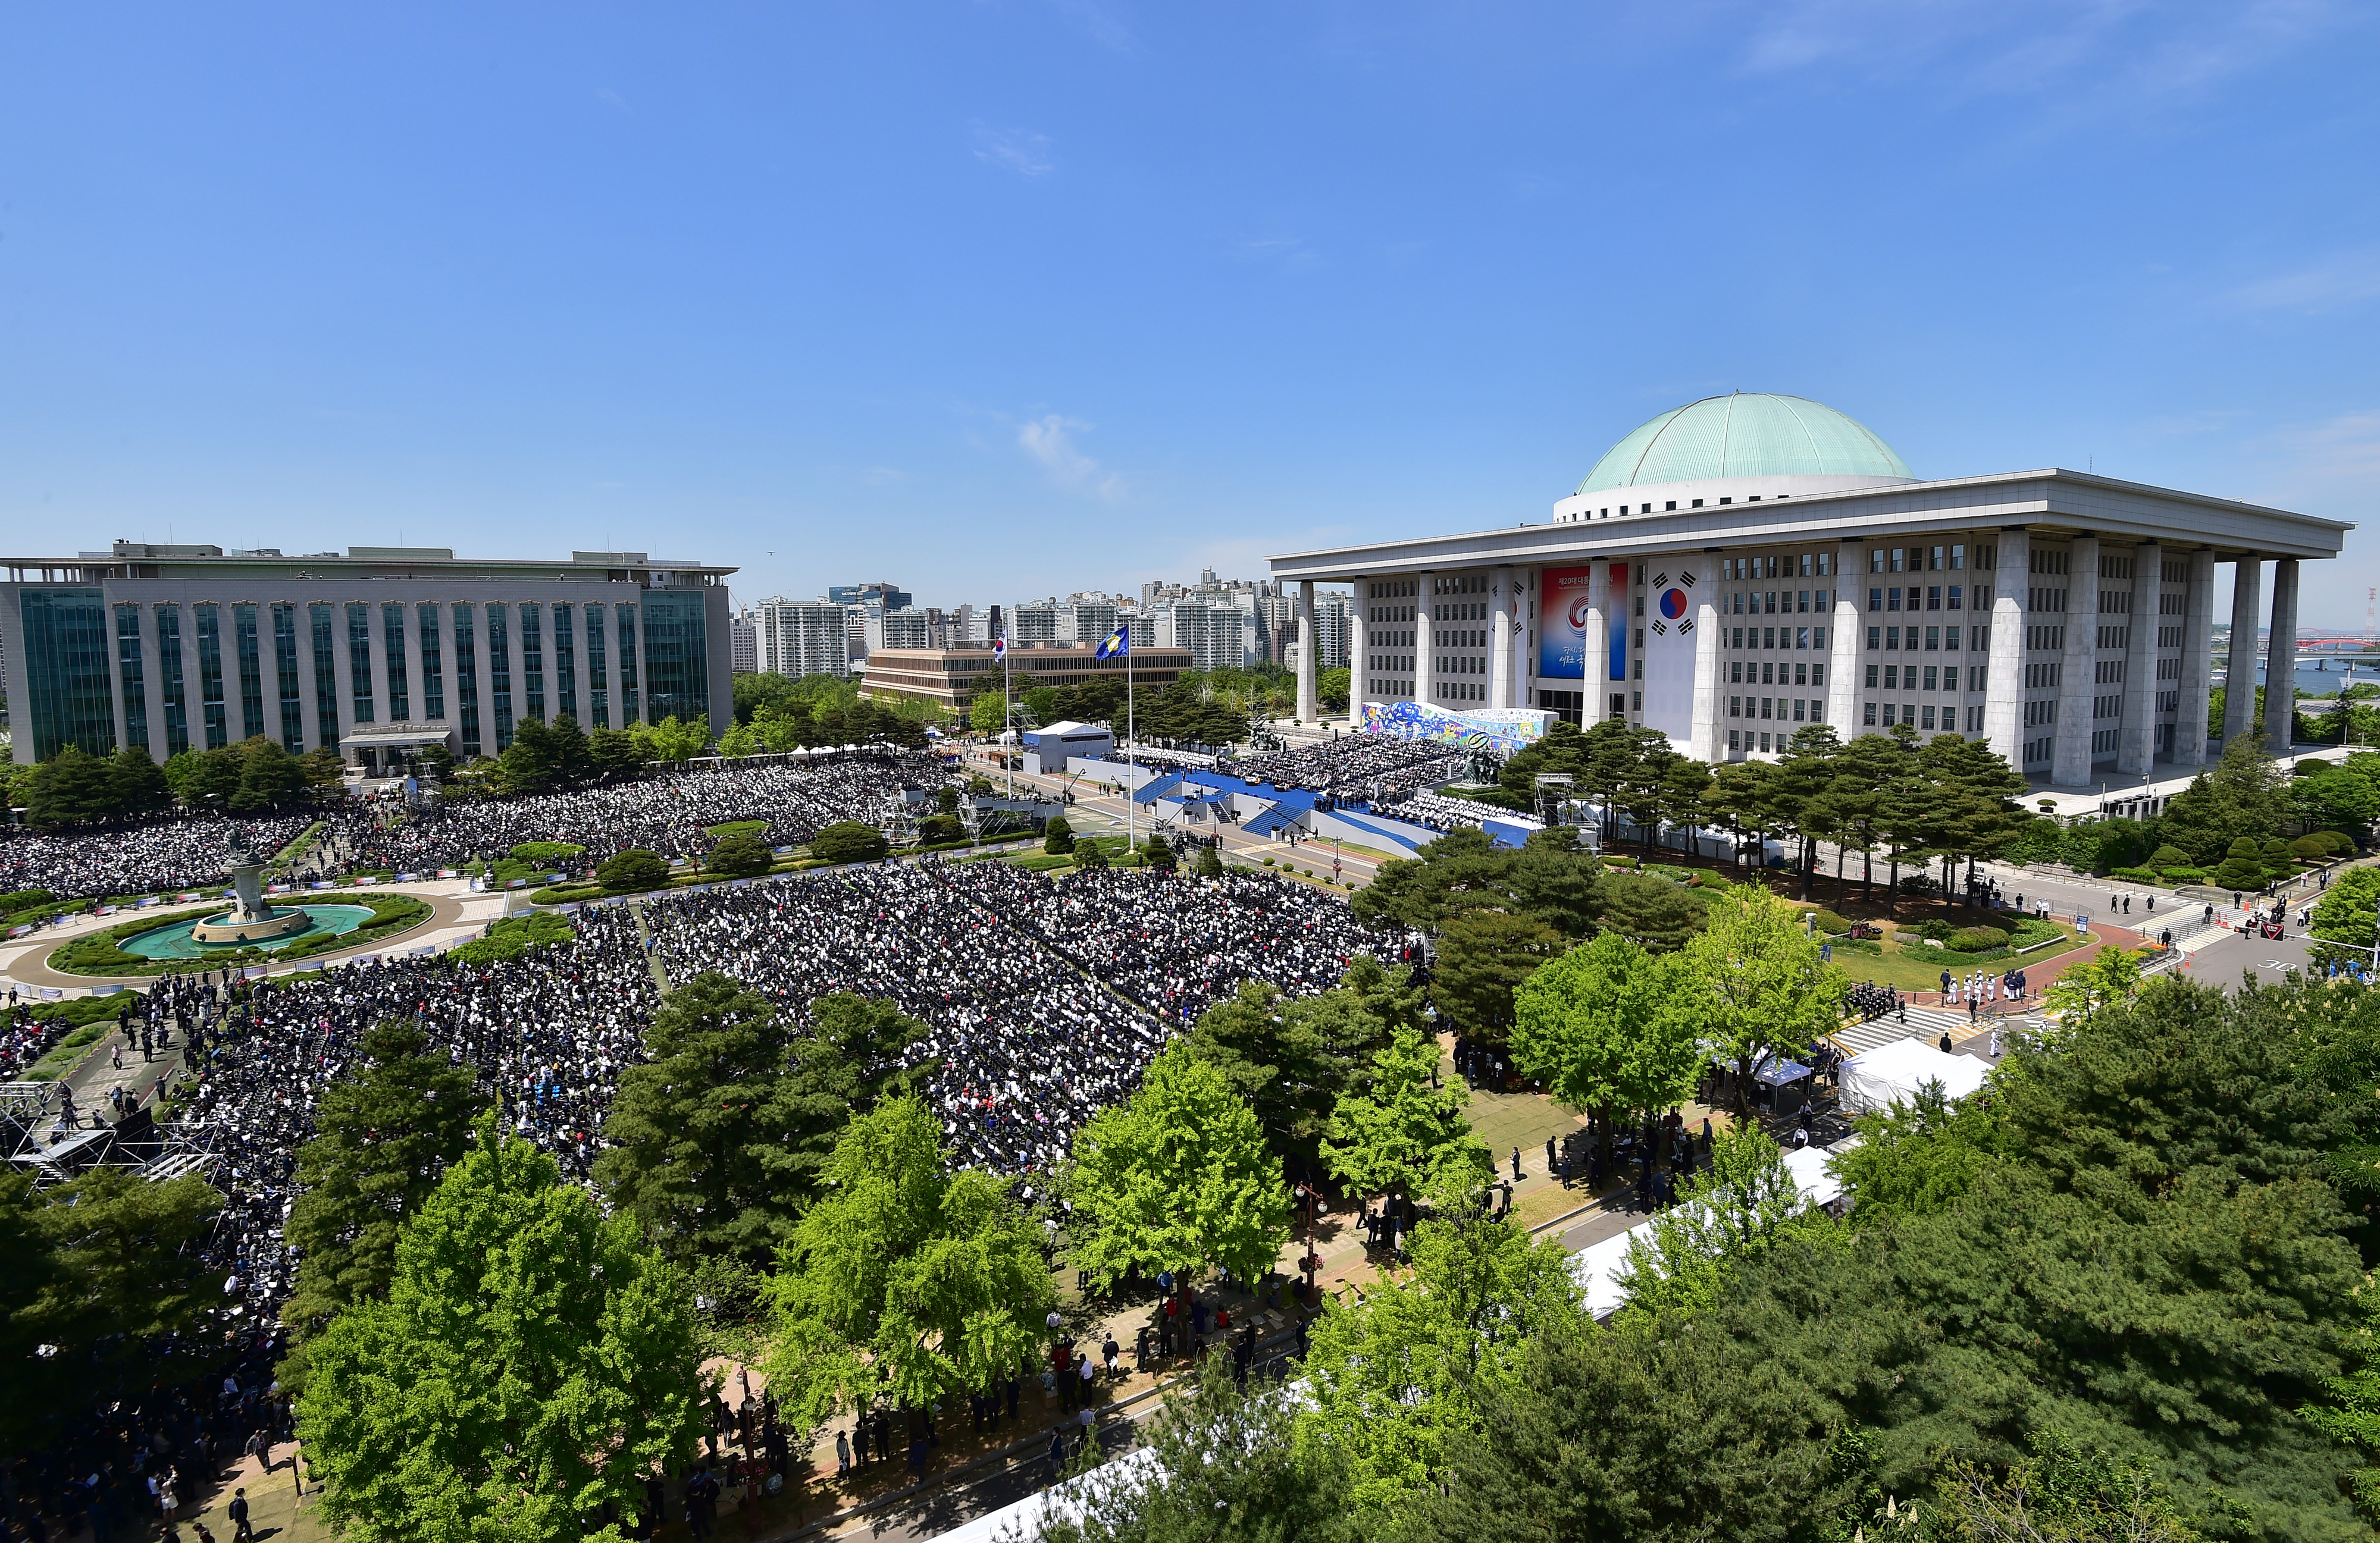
point(377, 652)
point(1745, 565)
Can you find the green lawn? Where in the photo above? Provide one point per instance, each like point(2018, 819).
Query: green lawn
point(1915, 967)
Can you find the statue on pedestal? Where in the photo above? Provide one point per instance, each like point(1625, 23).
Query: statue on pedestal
point(251, 919)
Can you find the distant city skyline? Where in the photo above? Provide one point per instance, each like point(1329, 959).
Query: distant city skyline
point(1044, 297)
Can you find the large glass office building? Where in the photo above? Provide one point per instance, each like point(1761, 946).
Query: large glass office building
point(378, 651)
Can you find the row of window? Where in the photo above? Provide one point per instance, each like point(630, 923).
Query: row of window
point(1805, 709)
point(230, 671)
point(1924, 717)
point(1934, 596)
point(1745, 672)
point(1924, 560)
point(1776, 638)
point(1894, 639)
point(1936, 677)
point(1768, 602)
point(1778, 565)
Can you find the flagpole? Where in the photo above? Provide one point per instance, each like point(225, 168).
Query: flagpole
point(1131, 749)
point(1007, 712)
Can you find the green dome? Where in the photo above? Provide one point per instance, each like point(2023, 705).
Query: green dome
point(1744, 436)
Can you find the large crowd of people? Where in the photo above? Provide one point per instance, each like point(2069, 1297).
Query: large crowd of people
point(1353, 768)
point(138, 859)
point(548, 1035)
point(1044, 1000)
point(667, 815)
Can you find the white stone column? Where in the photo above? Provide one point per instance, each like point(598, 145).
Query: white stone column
point(1308, 707)
point(1359, 673)
point(2136, 743)
point(1525, 622)
point(2240, 669)
point(1424, 628)
point(1499, 640)
point(2197, 661)
point(1709, 741)
point(1594, 694)
point(1843, 642)
point(2281, 660)
point(152, 675)
point(2070, 761)
point(2004, 677)
point(376, 646)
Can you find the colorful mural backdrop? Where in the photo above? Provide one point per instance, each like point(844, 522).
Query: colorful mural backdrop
point(1499, 731)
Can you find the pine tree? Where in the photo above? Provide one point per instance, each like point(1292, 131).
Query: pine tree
point(716, 1141)
point(383, 1139)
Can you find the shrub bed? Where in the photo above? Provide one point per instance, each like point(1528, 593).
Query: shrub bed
point(516, 936)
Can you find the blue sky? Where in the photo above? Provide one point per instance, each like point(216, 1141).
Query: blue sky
point(1013, 297)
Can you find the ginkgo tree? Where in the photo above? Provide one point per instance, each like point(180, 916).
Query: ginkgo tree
point(1177, 1178)
point(1767, 993)
point(903, 1282)
point(1612, 1031)
point(1402, 1136)
point(532, 1362)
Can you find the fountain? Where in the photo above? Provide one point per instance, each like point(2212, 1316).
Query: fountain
point(251, 919)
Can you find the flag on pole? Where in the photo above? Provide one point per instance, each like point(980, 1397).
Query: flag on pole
point(1116, 643)
point(1000, 647)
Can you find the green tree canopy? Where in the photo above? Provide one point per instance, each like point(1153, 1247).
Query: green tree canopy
point(137, 784)
point(1484, 956)
point(1402, 1136)
point(1769, 995)
point(632, 869)
point(1612, 1030)
point(1177, 1178)
point(531, 1363)
point(905, 1281)
point(102, 1294)
point(383, 1138)
point(849, 841)
point(70, 788)
point(1391, 1381)
point(701, 1139)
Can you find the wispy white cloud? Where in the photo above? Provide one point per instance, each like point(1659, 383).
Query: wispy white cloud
point(1100, 24)
point(2134, 54)
point(2342, 279)
point(1287, 252)
point(1050, 441)
point(1013, 150)
point(882, 476)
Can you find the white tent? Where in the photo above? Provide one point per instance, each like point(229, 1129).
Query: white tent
point(1597, 1267)
point(1893, 1074)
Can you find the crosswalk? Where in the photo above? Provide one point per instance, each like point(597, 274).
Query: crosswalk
point(1928, 1024)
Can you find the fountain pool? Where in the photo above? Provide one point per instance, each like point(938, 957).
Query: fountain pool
point(173, 941)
